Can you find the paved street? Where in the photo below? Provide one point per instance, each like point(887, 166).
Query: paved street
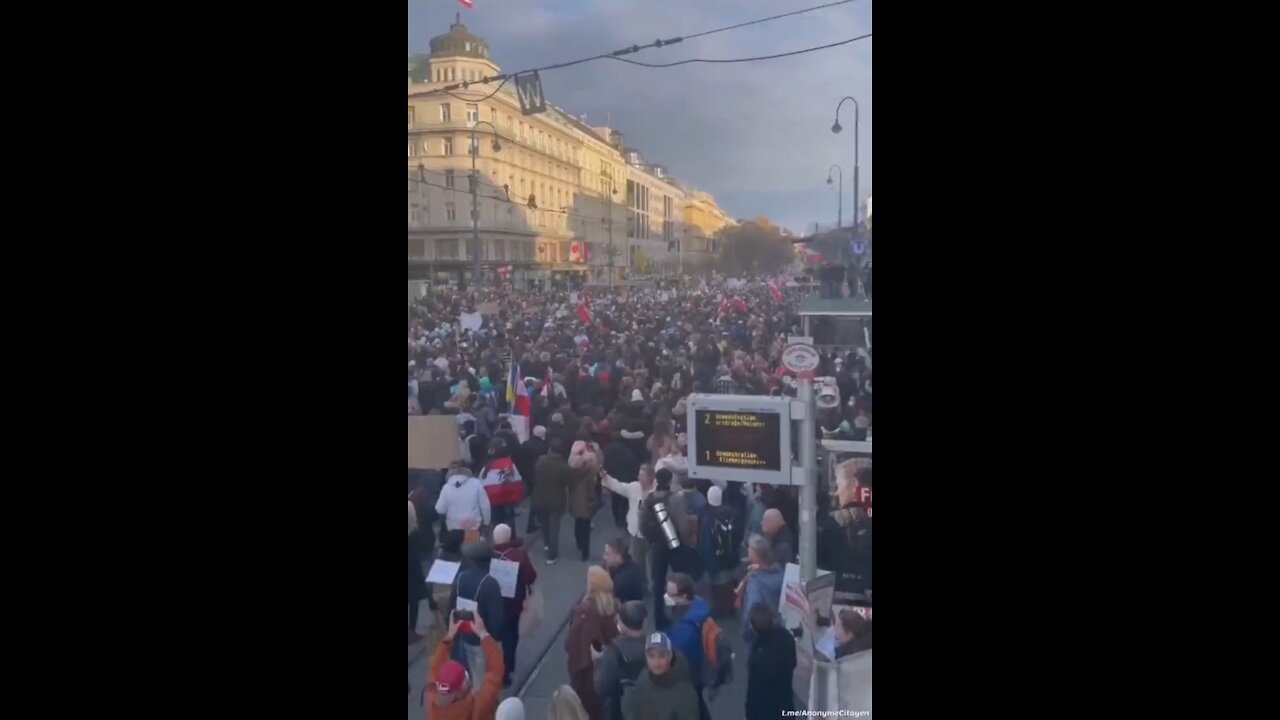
point(563, 583)
point(541, 662)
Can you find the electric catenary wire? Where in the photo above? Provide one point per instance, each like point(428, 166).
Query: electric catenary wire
point(617, 54)
point(747, 59)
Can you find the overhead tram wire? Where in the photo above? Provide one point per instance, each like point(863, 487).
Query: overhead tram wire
point(739, 60)
point(616, 55)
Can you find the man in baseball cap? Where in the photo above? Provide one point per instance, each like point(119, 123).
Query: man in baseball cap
point(449, 695)
point(664, 688)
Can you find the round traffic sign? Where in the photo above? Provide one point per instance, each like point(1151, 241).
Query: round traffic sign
point(801, 359)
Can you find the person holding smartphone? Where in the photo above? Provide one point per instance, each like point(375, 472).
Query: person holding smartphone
point(449, 693)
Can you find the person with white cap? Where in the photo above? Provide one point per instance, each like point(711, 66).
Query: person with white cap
point(724, 571)
point(505, 547)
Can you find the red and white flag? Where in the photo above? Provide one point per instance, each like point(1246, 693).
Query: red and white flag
point(465, 3)
point(773, 288)
point(548, 384)
point(584, 310)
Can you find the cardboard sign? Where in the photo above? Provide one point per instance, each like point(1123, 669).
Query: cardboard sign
point(465, 604)
point(433, 442)
point(506, 573)
point(487, 308)
point(520, 425)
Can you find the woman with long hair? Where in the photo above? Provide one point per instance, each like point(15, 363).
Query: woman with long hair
point(594, 625)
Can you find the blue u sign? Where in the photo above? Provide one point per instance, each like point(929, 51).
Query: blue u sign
point(858, 247)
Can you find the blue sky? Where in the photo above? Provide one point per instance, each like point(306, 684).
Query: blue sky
point(756, 135)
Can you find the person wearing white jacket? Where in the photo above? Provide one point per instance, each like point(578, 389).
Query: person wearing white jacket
point(463, 501)
point(634, 492)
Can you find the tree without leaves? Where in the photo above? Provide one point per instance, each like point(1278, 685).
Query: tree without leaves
point(753, 246)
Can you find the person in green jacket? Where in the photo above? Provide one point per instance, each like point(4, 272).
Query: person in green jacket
point(664, 690)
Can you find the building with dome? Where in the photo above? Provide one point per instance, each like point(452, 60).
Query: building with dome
point(552, 197)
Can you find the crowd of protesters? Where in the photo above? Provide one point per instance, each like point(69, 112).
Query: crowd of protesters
point(607, 375)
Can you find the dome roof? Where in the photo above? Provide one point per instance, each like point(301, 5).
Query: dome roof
point(459, 41)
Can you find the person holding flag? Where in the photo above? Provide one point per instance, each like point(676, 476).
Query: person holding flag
point(500, 477)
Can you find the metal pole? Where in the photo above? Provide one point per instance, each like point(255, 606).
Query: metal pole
point(808, 491)
point(839, 195)
point(857, 199)
point(475, 212)
point(608, 198)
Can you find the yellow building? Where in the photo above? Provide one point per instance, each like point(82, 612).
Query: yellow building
point(703, 218)
point(553, 198)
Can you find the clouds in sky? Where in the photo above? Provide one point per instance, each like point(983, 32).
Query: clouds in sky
point(756, 135)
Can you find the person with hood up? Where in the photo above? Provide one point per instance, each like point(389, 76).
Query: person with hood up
point(773, 656)
point(550, 493)
point(594, 624)
point(664, 690)
point(474, 589)
point(623, 660)
point(584, 467)
point(763, 583)
point(687, 612)
point(512, 549)
point(463, 501)
point(449, 692)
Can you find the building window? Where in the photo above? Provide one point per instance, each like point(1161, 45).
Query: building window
point(413, 214)
point(473, 114)
point(450, 211)
point(410, 148)
point(499, 249)
point(417, 248)
point(493, 116)
point(445, 113)
point(410, 116)
point(447, 248)
point(446, 146)
point(473, 146)
point(448, 178)
point(510, 125)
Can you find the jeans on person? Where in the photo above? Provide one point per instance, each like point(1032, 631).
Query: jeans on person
point(551, 533)
point(582, 535)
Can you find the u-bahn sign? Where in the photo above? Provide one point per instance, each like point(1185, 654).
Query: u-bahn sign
point(740, 438)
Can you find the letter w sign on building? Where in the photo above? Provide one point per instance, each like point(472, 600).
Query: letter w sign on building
point(529, 88)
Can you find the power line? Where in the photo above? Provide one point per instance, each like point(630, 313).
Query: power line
point(478, 100)
point(617, 54)
point(775, 17)
point(739, 60)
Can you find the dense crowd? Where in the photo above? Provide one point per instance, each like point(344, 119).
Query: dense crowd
point(606, 375)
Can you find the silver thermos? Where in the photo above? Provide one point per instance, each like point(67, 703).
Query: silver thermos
point(668, 529)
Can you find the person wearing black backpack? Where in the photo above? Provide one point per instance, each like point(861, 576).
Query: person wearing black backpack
point(724, 573)
point(621, 662)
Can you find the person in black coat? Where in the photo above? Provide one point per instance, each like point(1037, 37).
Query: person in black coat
point(475, 584)
point(628, 577)
point(526, 459)
point(770, 666)
point(621, 463)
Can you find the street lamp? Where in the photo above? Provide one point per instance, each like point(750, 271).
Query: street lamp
point(608, 219)
point(474, 149)
point(840, 211)
point(836, 129)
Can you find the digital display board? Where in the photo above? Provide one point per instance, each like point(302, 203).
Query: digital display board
point(740, 440)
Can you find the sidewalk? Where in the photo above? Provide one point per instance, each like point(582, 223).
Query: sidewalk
point(563, 585)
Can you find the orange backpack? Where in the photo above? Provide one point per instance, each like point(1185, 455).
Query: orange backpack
point(716, 654)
